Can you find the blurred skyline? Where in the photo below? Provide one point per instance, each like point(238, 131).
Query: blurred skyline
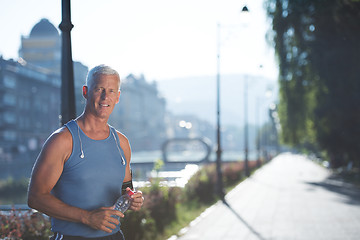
point(161, 39)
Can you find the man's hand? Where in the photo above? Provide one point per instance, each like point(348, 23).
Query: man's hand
point(102, 219)
point(138, 200)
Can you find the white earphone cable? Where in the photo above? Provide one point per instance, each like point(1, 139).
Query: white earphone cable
point(82, 155)
point(117, 145)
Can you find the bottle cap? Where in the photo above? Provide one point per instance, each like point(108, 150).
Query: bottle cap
point(130, 192)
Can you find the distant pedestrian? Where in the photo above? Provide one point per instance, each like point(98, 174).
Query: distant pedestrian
point(84, 167)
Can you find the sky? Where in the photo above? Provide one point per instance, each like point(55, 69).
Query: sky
point(162, 39)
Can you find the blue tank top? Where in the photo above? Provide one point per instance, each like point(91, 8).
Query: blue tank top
point(91, 182)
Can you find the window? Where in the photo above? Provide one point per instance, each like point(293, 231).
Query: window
point(9, 81)
point(9, 117)
point(9, 99)
point(9, 135)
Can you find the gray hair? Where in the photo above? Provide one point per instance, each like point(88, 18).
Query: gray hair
point(102, 69)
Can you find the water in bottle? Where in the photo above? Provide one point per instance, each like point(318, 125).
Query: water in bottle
point(124, 201)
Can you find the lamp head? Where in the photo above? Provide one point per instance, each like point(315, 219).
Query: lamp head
point(245, 9)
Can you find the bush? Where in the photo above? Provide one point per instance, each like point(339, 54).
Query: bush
point(27, 226)
point(159, 210)
point(233, 173)
point(138, 225)
point(201, 186)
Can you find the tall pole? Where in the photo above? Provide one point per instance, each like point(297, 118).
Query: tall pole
point(68, 111)
point(258, 138)
point(246, 129)
point(220, 190)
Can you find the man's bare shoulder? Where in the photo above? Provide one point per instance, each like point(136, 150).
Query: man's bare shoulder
point(122, 137)
point(61, 138)
point(61, 133)
point(57, 148)
point(124, 144)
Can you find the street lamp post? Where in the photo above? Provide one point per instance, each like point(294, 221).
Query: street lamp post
point(246, 129)
point(258, 132)
point(68, 111)
point(220, 190)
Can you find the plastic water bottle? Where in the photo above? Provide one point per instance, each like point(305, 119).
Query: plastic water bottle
point(124, 201)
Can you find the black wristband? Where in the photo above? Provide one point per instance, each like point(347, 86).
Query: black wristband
point(126, 185)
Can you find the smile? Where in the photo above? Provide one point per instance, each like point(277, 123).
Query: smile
point(104, 105)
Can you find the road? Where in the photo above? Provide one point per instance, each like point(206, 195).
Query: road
point(290, 198)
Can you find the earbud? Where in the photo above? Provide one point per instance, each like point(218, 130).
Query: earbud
point(82, 154)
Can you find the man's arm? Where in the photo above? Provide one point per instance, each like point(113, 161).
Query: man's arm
point(125, 146)
point(47, 171)
point(138, 197)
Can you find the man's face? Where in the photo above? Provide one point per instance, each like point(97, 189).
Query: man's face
point(102, 95)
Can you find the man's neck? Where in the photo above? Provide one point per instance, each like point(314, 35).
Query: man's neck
point(94, 127)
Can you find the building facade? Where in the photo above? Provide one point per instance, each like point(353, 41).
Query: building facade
point(30, 93)
point(140, 114)
point(42, 48)
point(28, 106)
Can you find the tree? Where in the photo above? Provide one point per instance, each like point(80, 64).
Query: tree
point(318, 48)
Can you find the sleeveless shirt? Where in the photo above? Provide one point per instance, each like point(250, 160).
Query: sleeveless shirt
point(91, 182)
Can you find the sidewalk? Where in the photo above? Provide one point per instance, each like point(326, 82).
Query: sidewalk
point(289, 198)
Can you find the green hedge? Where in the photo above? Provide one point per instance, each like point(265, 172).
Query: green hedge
point(158, 211)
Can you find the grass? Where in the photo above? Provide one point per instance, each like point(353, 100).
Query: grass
point(186, 214)
point(352, 176)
